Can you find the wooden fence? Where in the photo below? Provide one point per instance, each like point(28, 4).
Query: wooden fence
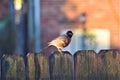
point(83, 65)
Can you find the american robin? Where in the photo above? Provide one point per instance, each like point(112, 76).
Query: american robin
point(61, 41)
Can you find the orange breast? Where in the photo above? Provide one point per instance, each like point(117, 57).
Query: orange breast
point(67, 41)
point(60, 44)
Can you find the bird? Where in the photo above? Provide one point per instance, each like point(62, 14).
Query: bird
point(61, 41)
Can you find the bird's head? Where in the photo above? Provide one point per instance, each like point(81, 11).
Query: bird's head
point(69, 34)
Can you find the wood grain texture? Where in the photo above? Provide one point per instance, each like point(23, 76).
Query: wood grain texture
point(20, 68)
point(9, 68)
point(117, 56)
point(13, 68)
point(85, 65)
point(61, 66)
point(31, 66)
point(108, 68)
point(42, 66)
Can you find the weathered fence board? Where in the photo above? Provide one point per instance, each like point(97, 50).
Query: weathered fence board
point(118, 64)
point(13, 68)
point(83, 68)
point(42, 67)
point(83, 65)
point(61, 66)
point(38, 67)
point(102, 74)
point(9, 68)
point(31, 66)
point(108, 65)
point(20, 68)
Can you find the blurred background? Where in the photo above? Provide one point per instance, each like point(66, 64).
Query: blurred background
point(28, 25)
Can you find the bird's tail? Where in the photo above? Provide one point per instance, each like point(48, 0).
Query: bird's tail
point(45, 47)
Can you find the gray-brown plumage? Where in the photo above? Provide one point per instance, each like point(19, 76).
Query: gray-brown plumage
point(62, 41)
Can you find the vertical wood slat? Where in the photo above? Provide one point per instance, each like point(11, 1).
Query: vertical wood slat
point(30, 66)
point(42, 67)
point(38, 67)
point(13, 68)
point(108, 68)
point(92, 65)
point(118, 64)
point(9, 68)
point(85, 65)
point(102, 74)
point(20, 68)
point(61, 66)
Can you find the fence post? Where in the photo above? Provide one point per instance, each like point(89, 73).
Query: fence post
point(108, 65)
point(85, 64)
point(13, 68)
point(61, 66)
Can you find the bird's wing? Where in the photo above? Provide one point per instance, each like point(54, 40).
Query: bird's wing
point(61, 39)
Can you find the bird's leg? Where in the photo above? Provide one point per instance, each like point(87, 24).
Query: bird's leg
point(60, 50)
